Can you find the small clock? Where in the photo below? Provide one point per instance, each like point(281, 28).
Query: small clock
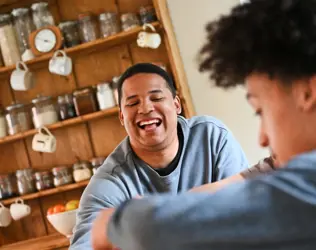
point(46, 40)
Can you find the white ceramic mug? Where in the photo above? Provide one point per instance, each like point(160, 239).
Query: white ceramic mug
point(27, 55)
point(148, 40)
point(60, 65)
point(5, 216)
point(21, 78)
point(19, 210)
point(44, 142)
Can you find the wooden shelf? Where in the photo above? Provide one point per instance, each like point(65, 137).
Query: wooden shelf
point(117, 39)
point(61, 124)
point(54, 241)
point(47, 192)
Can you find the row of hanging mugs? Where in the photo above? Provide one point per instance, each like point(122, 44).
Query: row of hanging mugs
point(22, 78)
point(17, 211)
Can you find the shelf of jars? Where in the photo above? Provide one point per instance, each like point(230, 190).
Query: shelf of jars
point(62, 124)
point(47, 192)
point(101, 43)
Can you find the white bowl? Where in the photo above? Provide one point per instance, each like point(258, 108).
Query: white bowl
point(63, 222)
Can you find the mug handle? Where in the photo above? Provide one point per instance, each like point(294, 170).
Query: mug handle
point(148, 25)
point(60, 51)
point(19, 201)
point(23, 64)
point(40, 130)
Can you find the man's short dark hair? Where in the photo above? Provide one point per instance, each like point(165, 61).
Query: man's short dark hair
point(147, 68)
point(274, 37)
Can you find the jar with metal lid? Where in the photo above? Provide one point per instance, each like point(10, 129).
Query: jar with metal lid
point(44, 111)
point(109, 24)
point(8, 186)
point(129, 21)
point(8, 42)
point(147, 14)
point(18, 118)
point(82, 171)
point(3, 127)
point(66, 107)
point(25, 181)
point(105, 96)
point(88, 28)
point(96, 163)
point(43, 180)
point(41, 15)
point(24, 26)
point(70, 32)
point(114, 86)
point(85, 101)
point(62, 176)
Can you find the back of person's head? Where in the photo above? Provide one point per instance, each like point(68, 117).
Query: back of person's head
point(277, 37)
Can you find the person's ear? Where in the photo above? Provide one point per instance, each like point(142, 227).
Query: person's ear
point(177, 104)
point(121, 117)
point(306, 94)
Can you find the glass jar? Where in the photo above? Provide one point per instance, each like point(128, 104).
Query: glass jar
point(70, 32)
point(147, 14)
point(8, 42)
point(85, 101)
point(105, 96)
point(8, 186)
point(18, 118)
point(96, 163)
point(66, 107)
point(24, 26)
point(129, 21)
point(114, 86)
point(41, 15)
point(44, 180)
point(3, 128)
point(81, 171)
point(44, 111)
point(109, 24)
point(88, 28)
point(25, 181)
point(62, 176)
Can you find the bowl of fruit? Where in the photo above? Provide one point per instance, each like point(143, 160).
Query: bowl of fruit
point(63, 217)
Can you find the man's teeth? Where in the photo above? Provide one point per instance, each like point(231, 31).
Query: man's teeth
point(149, 122)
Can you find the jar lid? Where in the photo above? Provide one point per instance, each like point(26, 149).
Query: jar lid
point(20, 11)
point(15, 106)
point(58, 169)
point(147, 8)
point(41, 99)
point(40, 174)
point(83, 91)
point(68, 24)
point(107, 15)
point(115, 82)
point(128, 16)
point(103, 86)
point(21, 172)
point(86, 15)
point(36, 6)
point(81, 164)
point(97, 161)
point(5, 18)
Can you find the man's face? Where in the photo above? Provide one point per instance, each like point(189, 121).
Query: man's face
point(283, 123)
point(149, 111)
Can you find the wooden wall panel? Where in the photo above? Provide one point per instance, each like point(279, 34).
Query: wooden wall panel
point(106, 134)
point(6, 97)
point(132, 5)
point(72, 144)
point(100, 66)
point(70, 9)
point(13, 156)
point(47, 84)
point(29, 227)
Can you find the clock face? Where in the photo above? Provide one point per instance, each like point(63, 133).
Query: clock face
point(45, 40)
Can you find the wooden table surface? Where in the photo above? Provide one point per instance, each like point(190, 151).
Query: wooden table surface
point(55, 241)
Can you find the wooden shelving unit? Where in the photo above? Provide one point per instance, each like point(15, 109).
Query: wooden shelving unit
point(103, 43)
point(47, 192)
point(61, 124)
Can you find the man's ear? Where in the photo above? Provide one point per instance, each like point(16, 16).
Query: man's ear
point(177, 103)
point(306, 94)
point(121, 117)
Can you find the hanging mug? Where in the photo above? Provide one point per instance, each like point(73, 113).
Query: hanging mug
point(5, 216)
point(19, 210)
point(148, 40)
point(21, 78)
point(44, 142)
point(60, 64)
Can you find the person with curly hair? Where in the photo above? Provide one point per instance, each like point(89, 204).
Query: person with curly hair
point(269, 46)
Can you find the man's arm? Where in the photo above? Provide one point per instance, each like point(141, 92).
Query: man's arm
point(101, 193)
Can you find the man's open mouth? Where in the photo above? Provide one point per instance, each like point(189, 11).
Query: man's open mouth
point(149, 124)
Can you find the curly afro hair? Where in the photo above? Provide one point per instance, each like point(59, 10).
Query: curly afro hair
point(274, 37)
